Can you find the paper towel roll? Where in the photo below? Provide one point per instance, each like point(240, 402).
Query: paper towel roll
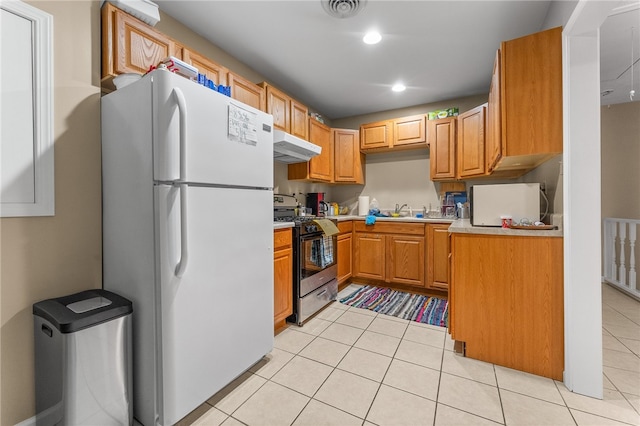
point(363, 205)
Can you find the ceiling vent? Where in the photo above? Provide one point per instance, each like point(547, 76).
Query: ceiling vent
point(343, 8)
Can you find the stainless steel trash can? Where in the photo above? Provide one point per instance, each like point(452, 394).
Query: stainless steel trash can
point(83, 359)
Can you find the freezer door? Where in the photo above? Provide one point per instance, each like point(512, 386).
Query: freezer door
point(217, 319)
point(205, 137)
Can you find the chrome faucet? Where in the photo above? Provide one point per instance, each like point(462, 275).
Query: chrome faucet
point(398, 209)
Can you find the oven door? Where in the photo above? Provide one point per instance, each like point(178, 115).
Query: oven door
point(318, 261)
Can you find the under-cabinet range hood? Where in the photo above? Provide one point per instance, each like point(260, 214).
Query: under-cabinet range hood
point(291, 149)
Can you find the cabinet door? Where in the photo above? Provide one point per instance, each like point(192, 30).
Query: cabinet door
point(470, 147)
point(369, 256)
point(438, 256)
point(532, 94)
point(321, 166)
point(299, 120)
point(282, 284)
point(493, 142)
point(138, 46)
point(405, 259)
point(348, 159)
point(245, 91)
point(344, 257)
point(442, 136)
point(410, 131)
point(214, 72)
point(282, 275)
point(278, 105)
point(376, 135)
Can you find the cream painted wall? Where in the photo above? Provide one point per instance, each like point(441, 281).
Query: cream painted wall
point(47, 257)
point(620, 151)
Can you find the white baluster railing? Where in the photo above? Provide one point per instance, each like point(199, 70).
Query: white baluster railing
point(619, 245)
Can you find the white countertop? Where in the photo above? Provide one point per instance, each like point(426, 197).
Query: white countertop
point(283, 225)
point(463, 226)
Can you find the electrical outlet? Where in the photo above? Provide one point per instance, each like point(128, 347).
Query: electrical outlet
point(543, 187)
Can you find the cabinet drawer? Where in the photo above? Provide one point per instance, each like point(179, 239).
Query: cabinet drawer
point(345, 226)
point(391, 228)
point(281, 238)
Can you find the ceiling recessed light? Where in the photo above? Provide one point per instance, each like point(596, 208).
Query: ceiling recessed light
point(399, 87)
point(372, 37)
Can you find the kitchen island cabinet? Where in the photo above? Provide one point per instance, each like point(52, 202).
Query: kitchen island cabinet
point(282, 276)
point(506, 300)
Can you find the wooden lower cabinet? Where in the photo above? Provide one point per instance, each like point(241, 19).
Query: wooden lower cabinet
point(405, 259)
point(282, 276)
point(345, 249)
point(506, 301)
point(369, 256)
point(438, 254)
point(390, 252)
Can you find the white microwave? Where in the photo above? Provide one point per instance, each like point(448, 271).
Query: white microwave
point(518, 200)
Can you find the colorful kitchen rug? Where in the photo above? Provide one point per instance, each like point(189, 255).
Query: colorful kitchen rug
point(414, 307)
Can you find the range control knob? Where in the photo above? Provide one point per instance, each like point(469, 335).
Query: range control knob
point(311, 228)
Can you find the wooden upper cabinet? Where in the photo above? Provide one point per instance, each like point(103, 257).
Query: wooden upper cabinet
point(299, 116)
point(470, 149)
point(214, 72)
point(441, 135)
point(410, 132)
point(399, 133)
point(278, 105)
point(376, 135)
point(493, 139)
point(245, 91)
point(348, 164)
point(289, 115)
point(320, 167)
point(531, 99)
point(130, 45)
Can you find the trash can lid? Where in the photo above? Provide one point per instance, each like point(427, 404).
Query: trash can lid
point(82, 310)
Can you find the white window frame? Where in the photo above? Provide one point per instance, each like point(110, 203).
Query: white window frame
point(41, 120)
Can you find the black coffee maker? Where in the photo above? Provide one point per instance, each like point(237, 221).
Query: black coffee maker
point(317, 204)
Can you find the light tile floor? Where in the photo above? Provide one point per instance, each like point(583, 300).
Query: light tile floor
point(350, 366)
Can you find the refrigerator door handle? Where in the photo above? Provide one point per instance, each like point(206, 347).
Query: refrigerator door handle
point(184, 246)
point(182, 109)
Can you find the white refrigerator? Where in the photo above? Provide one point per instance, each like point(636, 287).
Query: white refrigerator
point(187, 177)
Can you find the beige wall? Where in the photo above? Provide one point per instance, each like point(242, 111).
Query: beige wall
point(620, 155)
point(54, 256)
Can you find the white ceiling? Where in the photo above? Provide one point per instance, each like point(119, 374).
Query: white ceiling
point(439, 49)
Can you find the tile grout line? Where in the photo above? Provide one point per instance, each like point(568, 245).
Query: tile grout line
point(495, 374)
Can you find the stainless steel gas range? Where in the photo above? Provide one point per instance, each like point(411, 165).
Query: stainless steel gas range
point(315, 260)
